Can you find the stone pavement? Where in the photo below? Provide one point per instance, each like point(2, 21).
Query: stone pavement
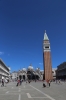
point(33, 91)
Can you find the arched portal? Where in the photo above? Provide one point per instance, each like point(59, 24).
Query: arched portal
point(37, 77)
point(23, 77)
point(29, 75)
point(20, 77)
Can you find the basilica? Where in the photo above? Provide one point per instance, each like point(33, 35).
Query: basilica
point(30, 74)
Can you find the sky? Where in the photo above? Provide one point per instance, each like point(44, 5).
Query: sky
point(22, 26)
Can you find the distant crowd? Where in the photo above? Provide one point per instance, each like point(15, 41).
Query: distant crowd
point(46, 83)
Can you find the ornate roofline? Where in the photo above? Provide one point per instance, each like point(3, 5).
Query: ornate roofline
point(4, 63)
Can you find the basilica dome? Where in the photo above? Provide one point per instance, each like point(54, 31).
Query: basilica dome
point(24, 69)
point(30, 67)
point(37, 68)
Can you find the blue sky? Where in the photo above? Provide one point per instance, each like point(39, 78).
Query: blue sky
point(22, 25)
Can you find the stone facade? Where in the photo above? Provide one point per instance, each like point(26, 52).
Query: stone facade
point(54, 72)
point(61, 71)
point(28, 73)
point(14, 75)
point(31, 74)
point(4, 70)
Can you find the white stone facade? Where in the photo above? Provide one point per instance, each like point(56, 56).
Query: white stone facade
point(4, 70)
point(14, 75)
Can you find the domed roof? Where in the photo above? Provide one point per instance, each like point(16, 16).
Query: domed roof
point(37, 68)
point(30, 67)
point(24, 69)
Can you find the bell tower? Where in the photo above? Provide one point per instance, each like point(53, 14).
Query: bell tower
point(47, 58)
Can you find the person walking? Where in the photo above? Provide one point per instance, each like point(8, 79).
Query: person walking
point(44, 84)
point(49, 83)
point(59, 82)
point(21, 82)
point(2, 82)
point(56, 81)
point(18, 81)
point(26, 81)
point(6, 82)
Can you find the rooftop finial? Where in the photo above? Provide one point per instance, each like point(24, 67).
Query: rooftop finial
point(45, 31)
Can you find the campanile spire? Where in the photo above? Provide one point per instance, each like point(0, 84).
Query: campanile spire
point(45, 31)
point(45, 36)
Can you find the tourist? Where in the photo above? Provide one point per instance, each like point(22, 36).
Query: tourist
point(18, 82)
point(6, 82)
point(44, 84)
point(21, 82)
point(2, 82)
point(26, 81)
point(49, 83)
point(59, 81)
point(56, 81)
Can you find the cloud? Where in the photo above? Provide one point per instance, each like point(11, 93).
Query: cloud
point(40, 63)
point(1, 53)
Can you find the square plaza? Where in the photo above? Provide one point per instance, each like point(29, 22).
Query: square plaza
point(33, 91)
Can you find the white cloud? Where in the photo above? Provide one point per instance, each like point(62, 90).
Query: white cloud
point(1, 53)
point(40, 63)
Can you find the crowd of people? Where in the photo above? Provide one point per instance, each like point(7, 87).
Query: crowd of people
point(46, 83)
point(19, 82)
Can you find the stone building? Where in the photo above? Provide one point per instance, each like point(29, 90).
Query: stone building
point(14, 75)
point(4, 70)
point(22, 74)
point(32, 74)
point(61, 71)
point(27, 74)
point(54, 73)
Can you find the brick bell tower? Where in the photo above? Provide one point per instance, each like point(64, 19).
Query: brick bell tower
point(47, 58)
